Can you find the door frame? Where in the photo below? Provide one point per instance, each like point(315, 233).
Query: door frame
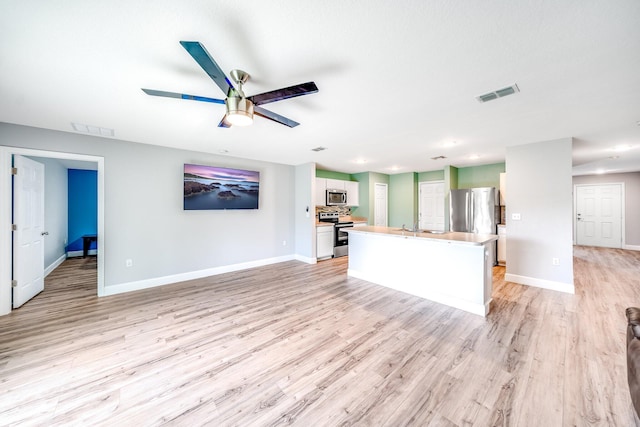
point(6, 210)
point(622, 209)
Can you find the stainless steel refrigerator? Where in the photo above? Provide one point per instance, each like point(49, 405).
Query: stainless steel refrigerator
point(474, 210)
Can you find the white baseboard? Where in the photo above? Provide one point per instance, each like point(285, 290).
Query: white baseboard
point(632, 247)
point(175, 278)
point(72, 254)
point(305, 259)
point(541, 283)
point(54, 265)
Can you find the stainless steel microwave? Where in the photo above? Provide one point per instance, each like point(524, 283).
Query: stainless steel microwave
point(336, 197)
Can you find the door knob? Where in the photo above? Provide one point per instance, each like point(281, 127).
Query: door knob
point(44, 233)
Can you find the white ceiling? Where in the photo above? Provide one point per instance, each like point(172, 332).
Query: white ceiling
point(397, 80)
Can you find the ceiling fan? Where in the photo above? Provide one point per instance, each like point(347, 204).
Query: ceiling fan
point(240, 108)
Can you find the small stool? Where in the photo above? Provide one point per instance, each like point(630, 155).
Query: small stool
point(86, 243)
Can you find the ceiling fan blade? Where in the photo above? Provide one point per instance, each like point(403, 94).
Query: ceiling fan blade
point(224, 123)
point(181, 96)
point(284, 93)
point(202, 57)
point(274, 116)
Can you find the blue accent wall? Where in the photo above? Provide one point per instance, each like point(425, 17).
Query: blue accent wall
point(83, 207)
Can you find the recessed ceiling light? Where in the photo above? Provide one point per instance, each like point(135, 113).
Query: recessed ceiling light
point(621, 148)
point(361, 161)
point(449, 143)
point(319, 149)
point(474, 157)
point(600, 171)
point(394, 168)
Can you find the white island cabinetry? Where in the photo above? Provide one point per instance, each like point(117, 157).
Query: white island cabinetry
point(450, 268)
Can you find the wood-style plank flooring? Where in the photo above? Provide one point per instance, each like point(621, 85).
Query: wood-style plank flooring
point(306, 345)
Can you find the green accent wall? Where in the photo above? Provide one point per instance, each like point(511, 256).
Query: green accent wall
point(403, 189)
point(333, 175)
point(403, 199)
point(431, 176)
point(480, 176)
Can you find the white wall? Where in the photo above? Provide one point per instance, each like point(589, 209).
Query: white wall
point(540, 189)
point(631, 202)
point(56, 208)
point(144, 218)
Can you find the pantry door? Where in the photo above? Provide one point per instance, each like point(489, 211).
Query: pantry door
point(431, 206)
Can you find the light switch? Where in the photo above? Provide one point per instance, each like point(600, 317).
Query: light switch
point(515, 216)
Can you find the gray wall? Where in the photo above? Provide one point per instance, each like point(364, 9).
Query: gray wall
point(632, 200)
point(144, 219)
point(305, 218)
point(542, 195)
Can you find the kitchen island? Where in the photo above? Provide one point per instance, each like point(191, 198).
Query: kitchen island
point(450, 268)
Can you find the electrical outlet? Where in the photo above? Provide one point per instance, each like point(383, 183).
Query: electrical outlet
point(555, 261)
point(515, 217)
point(129, 263)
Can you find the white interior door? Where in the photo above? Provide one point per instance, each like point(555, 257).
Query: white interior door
point(28, 238)
point(431, 205)
point(380, 205)
point(599, 215)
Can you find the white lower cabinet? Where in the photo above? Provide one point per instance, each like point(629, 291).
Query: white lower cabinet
point(502, 245)
point(324, 241)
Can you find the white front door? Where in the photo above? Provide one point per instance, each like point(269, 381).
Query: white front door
point(380, 205)
point(28, 238)
point(431, 205)
point(599, 215)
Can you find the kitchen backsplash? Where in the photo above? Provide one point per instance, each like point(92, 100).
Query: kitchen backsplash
point(342, 210)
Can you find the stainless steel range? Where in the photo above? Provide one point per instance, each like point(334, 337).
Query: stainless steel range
point(340, 236)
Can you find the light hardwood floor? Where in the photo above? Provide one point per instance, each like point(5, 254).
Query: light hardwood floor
point(306, 345)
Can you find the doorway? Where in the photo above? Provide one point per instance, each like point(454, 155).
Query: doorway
point(599, 215)
point(380, 204)
point(6, 154)
point(431, 205)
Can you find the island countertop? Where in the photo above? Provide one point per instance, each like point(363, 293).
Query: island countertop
point(444, 237)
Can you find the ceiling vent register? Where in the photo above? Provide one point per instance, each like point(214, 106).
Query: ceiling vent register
point(498, 93)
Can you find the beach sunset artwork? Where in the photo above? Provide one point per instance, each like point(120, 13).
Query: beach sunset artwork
point(212, 187)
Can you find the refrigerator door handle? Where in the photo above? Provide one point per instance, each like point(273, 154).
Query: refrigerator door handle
point(470, 225)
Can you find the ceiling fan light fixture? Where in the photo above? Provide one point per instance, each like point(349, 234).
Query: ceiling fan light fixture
point(239, 111)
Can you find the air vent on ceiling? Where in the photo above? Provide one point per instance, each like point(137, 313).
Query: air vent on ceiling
point(94, 130)
point(438, 158)
point(319, 149)
point(498, 93)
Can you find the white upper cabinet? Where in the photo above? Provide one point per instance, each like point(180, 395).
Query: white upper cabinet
point(335, 184)
point(321, 192)
point(353, 193)
point(503, 189)
point(324, 184)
